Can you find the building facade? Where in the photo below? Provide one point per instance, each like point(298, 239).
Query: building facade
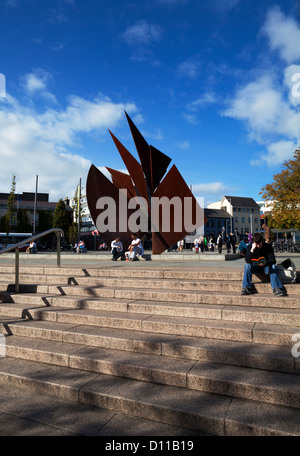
point(26, 204)
point(218, 222)
point(244, 213)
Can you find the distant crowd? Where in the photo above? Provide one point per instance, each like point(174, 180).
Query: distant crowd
point(222, 241)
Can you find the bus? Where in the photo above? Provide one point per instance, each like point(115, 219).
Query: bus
point(8, 240)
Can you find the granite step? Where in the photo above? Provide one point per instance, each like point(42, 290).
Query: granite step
point(31, 306)
point(227, 322)
point(219, 299)
point(37, 279)
point(209, 413)
point(136, 273)
point(133, 293)
point(258, 356)
point(234, 381)
point(255, 300)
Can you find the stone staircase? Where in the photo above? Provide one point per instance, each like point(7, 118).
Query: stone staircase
point(175, 346)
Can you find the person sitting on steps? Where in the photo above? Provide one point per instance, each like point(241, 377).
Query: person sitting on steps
point(135, 250)
point(260, 258)
point(116, 249)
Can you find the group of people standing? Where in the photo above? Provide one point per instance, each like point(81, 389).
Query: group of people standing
point(210, 243)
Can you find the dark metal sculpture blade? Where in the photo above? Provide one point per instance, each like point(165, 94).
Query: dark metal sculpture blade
point(122, 181)
point(134, 168)
point(165, 204)
point(159, 164)
point(98, 186)
point(143, 151)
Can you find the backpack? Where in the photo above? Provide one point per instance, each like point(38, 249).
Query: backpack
point(287, 272)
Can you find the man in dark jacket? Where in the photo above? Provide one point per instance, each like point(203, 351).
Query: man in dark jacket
point(260, 258)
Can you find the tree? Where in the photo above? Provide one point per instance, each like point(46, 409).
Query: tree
point(10, 204)
point(23, 218)
point(73, 233)
point(284, 192)
point(62, 218)
point(75, 205)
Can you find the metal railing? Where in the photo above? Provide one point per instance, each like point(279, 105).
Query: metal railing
point(59, 233)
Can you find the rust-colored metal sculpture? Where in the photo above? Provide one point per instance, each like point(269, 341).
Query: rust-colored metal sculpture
point(144, 200)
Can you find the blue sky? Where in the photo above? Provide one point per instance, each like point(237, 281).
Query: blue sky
point(209, 83)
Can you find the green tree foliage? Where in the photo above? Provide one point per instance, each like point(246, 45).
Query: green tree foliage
point(45, 220)
point(284, 191)
point(75, 205)
point(23, 220)
point(73, 233)
point(62, 218)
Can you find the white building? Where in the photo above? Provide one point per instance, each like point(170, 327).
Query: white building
point(244, 213)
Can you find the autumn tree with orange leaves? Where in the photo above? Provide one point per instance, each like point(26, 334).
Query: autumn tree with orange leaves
point(284, 192)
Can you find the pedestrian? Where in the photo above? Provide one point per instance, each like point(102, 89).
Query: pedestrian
point(228, 243)
point(260, 258)
point(201, 244)
point(219, 242)
point(233, 242)
point(180, 245)
point(267, 233)
point(196, 245)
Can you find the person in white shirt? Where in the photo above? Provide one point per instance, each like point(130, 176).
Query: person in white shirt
point(116, 249)
point(135, 250)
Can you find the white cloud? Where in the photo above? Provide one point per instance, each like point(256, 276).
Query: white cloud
point(33, 143)
point(211, 191)
point(36, 83)
point(292, 82)
point(183, 145)
point(206, 99)
point(142, 33)
point(209, 188)
point(277, 152)
point(283, 34)
point(269, 116)
point(192, 108)
point(268, 106)
point(189, 68)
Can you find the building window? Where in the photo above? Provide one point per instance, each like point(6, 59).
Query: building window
point(243, 219)
point(236, 219)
